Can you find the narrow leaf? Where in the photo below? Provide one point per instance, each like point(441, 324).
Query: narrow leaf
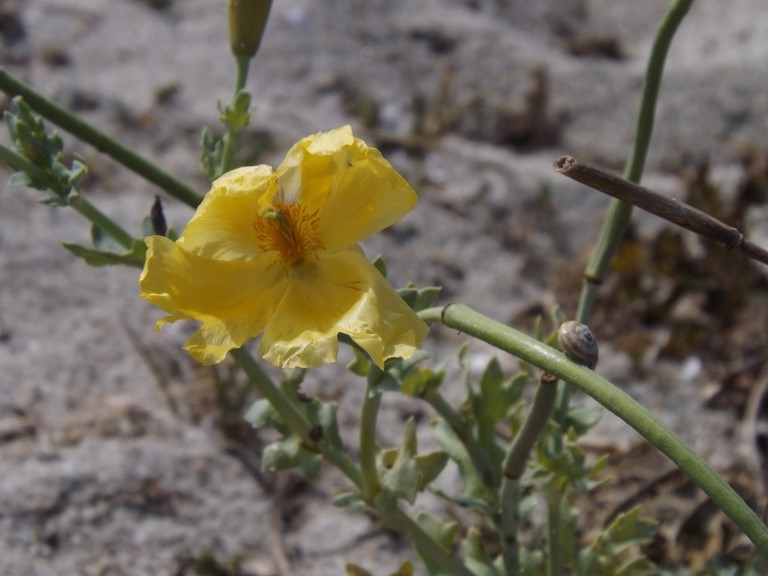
point(133, 257)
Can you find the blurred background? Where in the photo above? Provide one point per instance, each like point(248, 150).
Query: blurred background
point(120, 456)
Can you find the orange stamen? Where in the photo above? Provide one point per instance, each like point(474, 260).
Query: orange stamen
point(289, 230)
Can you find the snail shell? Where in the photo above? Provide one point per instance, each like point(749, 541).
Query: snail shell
point(578, 343)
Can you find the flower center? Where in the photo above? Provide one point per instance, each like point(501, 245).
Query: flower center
point(289, 230)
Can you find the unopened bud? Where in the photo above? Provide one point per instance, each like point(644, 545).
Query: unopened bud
point(247, 20)
point(157, 218)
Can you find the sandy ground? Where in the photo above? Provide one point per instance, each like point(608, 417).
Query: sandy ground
point(101, 472)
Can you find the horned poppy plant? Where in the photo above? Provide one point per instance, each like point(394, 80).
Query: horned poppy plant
point(276, 252)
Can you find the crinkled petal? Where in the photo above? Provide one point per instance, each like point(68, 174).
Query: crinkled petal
point(234, 300)
point(341, 293)
point(222, 227)
point(354, 190)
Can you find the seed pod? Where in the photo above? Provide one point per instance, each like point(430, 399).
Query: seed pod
point(578, 343)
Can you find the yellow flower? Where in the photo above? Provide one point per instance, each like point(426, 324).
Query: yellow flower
point(277, 252)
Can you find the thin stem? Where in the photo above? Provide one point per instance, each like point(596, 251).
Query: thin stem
point(230, 138)
point(35, 172)
point(291, 415)
point(535, 422)
point(241, 79)
point(101, 220)
point(395, 519)
point(461, 428)
point(554, 536)
point(76, 201)
point(614, 399)
point(99, 140)
point(368, 416)
point(619, 212)
point(514, 465)
point(259, 378)
point(510, 545)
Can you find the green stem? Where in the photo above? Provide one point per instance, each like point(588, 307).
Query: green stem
point(368, 416)
point(291, 415)
point(619, 213)
point(534, 425)
point(461, 428)
point(514, 465)
point(554, 523)
point(101, 220)
point(36, 173)
point(80, 204)
point(395, 519)
point(510, 545)
point(99, 140)
point(649, 426)
point(230, 138)
point(241, 79)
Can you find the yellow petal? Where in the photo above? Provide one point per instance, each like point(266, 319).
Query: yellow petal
point(355, 191)
point(222, 226)
point(233, 300)
point(340, 293)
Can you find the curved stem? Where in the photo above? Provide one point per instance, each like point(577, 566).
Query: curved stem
point(614, 399)
point(99, 140)
point(368, 416)
point(291, 415)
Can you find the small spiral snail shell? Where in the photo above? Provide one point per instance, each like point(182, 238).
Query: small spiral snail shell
point(578, 343)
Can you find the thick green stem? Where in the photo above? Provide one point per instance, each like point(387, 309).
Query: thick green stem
point(614, 399)
point(99, 140)
point(368, 417)
point(514, 465)
point(291, 415)
point(80, 204)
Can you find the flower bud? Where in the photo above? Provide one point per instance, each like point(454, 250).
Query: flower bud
point(247, 20)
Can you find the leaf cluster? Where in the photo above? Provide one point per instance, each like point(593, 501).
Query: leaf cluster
point(43, 168)
point(475, 436)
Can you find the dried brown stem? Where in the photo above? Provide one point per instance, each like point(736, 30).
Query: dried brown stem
point(670, 209)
